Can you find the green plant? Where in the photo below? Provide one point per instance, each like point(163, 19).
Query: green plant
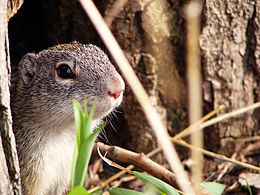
point(249, 188)
point(159, 187)
point(85, 140)
point(213, 188)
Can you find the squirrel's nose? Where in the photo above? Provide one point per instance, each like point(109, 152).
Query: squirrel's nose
point(116, 87)
point(115, 94)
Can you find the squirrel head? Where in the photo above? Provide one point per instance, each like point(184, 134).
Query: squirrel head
point(50, 80)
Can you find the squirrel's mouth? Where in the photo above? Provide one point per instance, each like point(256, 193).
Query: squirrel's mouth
point(104, 108)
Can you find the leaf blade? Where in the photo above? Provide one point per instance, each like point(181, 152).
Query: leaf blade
point(159, 185)
point(122, 191)
point(213, 188)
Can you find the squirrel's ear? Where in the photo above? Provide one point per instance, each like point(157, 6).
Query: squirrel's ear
point(27, 67)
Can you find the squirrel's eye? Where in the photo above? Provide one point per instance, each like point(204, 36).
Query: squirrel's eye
point(64, 71)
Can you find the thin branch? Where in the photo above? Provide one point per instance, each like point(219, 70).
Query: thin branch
point(187, 131)
point(193, 14)
point(213, 121)
point(218, 156)
point(114, 177)
point(108, 161)
point(229, 115)
point(138, 160)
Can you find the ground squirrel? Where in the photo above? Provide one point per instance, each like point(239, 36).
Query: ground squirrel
point(43, 115)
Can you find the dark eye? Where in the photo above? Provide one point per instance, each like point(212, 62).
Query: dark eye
point(64, 71)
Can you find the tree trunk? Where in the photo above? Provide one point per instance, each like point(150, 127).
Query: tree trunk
point(230, 43)
point(9, 168)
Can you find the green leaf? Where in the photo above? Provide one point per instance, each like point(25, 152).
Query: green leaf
point(73, 166)
point(78, 116)
point(101, 126)
point(149, 189)
point(86, 126)
point(90, 117)
point(122, 191)
point(159, 186)
point(85, 140)
point(84, 144)
point(84, 154)
point(249, 189)
point(85, 106)
point(78, 190)
point(97, 192)
point(213, 188)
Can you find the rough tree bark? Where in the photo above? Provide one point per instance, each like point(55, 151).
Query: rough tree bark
point(230, 47)
point(5, 185)
point(9, 168)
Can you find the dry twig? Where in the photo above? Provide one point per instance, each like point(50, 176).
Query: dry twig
point(218, 156)
point(193, 13)
point(138, 160)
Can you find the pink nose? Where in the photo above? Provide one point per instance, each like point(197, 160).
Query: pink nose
point(115, 94)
